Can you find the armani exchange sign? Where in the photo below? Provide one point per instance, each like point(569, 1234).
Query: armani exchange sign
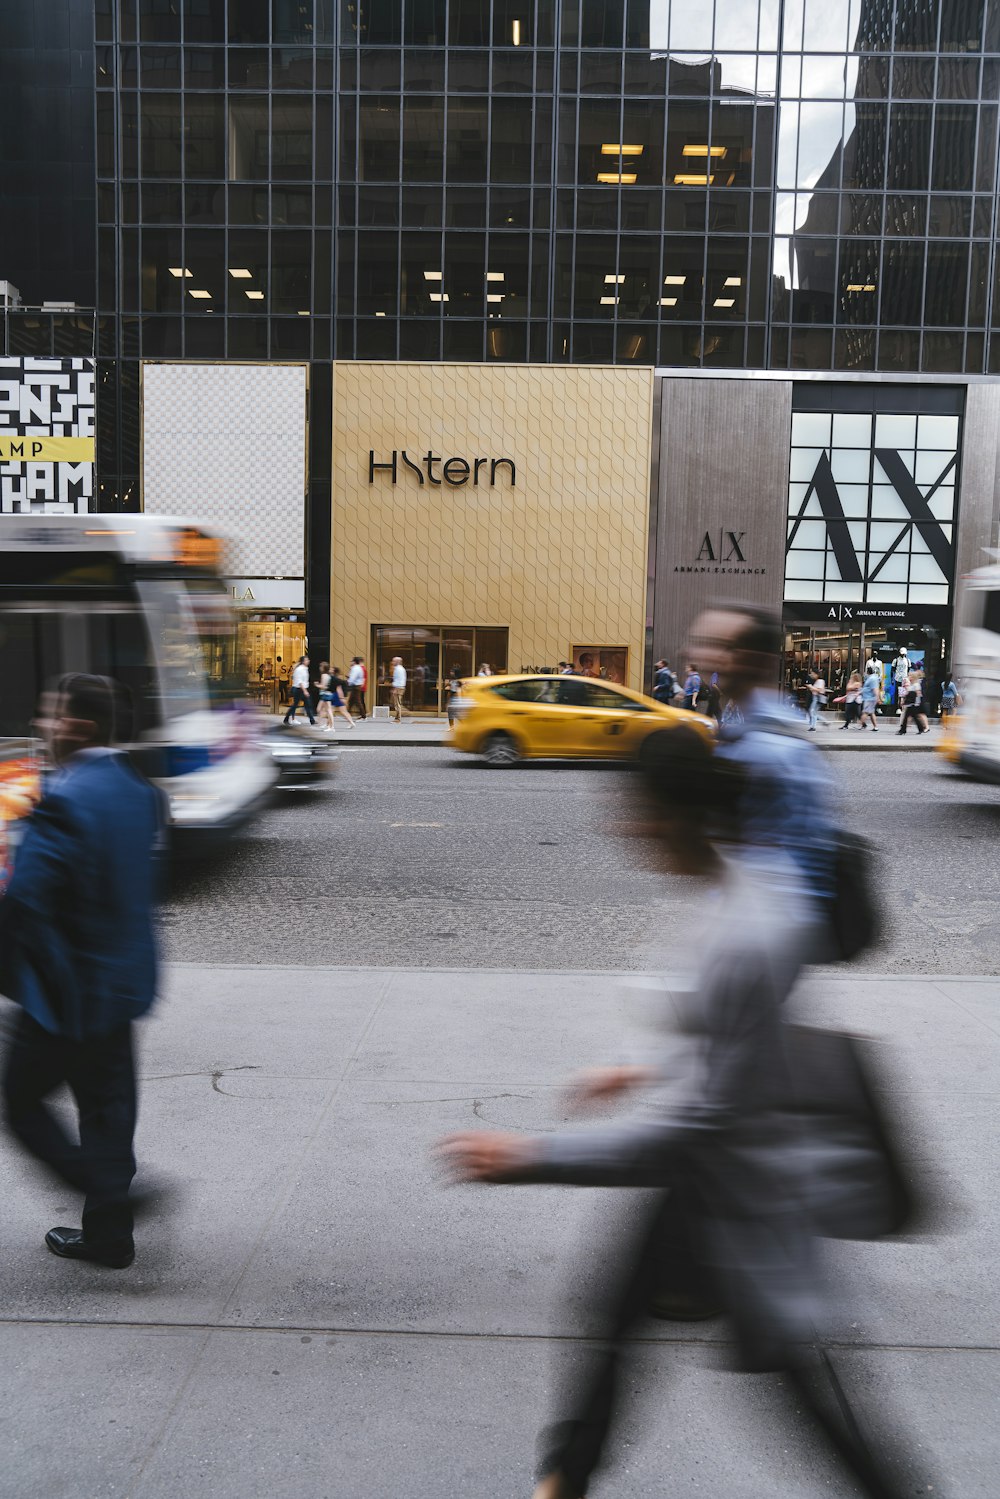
point(721, 552)
point(872, 520)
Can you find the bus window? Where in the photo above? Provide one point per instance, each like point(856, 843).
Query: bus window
point(991, 610)
point(30, 656)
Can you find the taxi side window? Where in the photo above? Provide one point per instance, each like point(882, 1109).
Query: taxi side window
point(534, 690)
point(584, 694)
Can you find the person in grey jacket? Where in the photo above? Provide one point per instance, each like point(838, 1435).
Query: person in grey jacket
point(729, 1164)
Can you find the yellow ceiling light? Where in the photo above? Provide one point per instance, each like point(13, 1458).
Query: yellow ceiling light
point(433, 275)
point(857, 286)
point(668, 301)
point(201, 295)
point(240, 275)
point(515, 33)
point(627, 177)
point(717, 151)
point(610, 280)
point(495, 275)
point(725, 302)
point(612, 148)
point(180, 271)
point(674, 280)
point(303, 313)
point(609, 301)
point(733, 281)
point(380, 314)
point(255, 296)
point(494, 296)
point(692, 179)
point(439, 296)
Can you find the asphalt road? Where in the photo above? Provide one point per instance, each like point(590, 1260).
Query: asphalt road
point(421, 858)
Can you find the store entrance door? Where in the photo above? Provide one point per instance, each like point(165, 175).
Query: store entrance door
point(431, 654)
point(268, 646)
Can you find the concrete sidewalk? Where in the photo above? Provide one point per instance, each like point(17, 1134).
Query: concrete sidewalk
point(416, 731)
point(321, 1318)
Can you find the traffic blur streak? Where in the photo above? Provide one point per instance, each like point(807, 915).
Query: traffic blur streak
point(767, 1137)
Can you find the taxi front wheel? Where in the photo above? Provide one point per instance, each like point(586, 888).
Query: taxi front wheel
point(501, 751)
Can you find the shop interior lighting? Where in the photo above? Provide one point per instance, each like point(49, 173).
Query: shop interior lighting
point(239, 274)
point(674, 280)
point(668, 301)
point(179, 271)
point(515, 33)
point(609, 301)
point(693, 179)
point(725, 302)
point(717, 151)
point(438, 296)
point(255, 296)
point(733, 281)
point(627, 177)
point(495, 275)
point(613, 280)
point(613, 149)
point(433, 275)
point(201, 295)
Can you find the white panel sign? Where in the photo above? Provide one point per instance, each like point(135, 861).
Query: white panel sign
point(225, 444)
point(268, 593)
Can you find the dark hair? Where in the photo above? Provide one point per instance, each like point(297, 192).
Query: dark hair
point(92, 699)
point(762, 632)
point(683, 778)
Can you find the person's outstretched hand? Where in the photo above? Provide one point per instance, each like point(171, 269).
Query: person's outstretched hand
point(487, 1156)
point(600, 1083)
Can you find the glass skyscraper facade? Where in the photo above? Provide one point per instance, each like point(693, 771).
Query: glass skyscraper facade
point(751, 184)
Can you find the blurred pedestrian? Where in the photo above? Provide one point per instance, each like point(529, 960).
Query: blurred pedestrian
point(871, 696)
point(454, 692)
point(357, 683)
point(485, 670)
point(950, 697)
point(664, 683)
point(732, 1172)
point(300, 692)
point(77, 953)
point(713, 704)
point(817, 700)
point(692, 687)
point(339, 708)
point(324, 684)
point(852, 700)
point(397, 687)
point(912, 700)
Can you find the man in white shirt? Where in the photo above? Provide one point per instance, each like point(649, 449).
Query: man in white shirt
point(398, 688)
point(356, 684)
point(300, 692)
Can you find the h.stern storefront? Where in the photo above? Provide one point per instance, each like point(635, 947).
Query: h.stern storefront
point(491, 515)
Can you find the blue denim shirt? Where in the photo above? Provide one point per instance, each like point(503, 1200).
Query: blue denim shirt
point(787, 802)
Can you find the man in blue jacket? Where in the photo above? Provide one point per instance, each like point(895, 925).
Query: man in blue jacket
point(77, 953)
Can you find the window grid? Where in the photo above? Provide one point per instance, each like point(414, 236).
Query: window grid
point(137, 62)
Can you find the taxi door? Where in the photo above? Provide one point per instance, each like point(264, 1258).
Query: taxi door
point(608, 725)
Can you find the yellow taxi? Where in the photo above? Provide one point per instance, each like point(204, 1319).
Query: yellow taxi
point(507, 719)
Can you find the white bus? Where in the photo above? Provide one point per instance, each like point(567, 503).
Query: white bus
point(974, 741)
point(139, 599)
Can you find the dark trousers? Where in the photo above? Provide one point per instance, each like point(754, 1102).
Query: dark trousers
point(356, 703)
point(299, 695)
point(100, 1074)
point(665, 1249)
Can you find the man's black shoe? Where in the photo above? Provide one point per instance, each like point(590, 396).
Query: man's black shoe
point(70, 1244)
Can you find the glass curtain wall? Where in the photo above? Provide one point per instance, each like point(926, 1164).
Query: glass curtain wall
point(737, 183)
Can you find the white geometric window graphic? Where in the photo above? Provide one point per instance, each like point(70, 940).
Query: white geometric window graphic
point(871, 508)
